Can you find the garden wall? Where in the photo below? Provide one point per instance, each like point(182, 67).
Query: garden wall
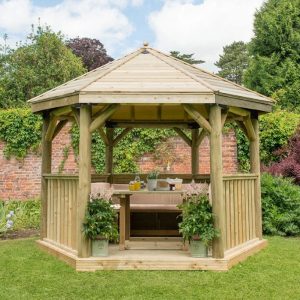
point(20, 179)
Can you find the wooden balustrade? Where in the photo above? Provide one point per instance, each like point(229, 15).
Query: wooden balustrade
point(62, 210)
point(239, 196)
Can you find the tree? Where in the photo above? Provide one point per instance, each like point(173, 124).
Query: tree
point(40, 64)
point(233, 62)
point(274, 69)
point(91, 51)
point(188, 58)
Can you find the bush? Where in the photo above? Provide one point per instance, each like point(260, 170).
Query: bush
point(26, 213)
point(289, 166)
point(280, 206)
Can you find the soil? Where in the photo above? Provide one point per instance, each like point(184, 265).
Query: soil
point(20, 234)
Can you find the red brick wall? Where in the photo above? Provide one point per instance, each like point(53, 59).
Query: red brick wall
point(20, 179)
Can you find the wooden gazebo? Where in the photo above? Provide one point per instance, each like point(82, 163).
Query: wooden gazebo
point(148, 89)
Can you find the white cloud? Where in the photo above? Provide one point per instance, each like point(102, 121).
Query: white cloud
point(203, 28)
point(102, 19)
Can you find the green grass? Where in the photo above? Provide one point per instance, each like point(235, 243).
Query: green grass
point(28, 273)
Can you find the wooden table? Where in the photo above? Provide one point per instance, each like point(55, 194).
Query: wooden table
point(124, 215)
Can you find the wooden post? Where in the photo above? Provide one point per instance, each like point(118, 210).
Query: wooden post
point(255, 168)
point(46, 168)
point(195, 152)
point(216, 179)
point(109, 151)
point(83, 244)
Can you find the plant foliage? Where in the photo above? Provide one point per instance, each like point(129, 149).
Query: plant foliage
point(188, 58)
point(40, 64)
point(280, 206)
point(100, 220)
point(197, 219)
point(91, 51)
point(233, 62)
point(274, 68)
point(20, 129)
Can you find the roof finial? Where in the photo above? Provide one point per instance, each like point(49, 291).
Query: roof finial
point(145, 44)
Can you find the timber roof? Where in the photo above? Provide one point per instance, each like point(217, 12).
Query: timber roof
point(149, 76)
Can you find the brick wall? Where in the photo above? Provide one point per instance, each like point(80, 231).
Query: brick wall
point(20, 179)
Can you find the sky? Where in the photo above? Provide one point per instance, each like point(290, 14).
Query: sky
point(202, 27)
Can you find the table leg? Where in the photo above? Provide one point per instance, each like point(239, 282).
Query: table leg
point(127, 217)
point(122, 223)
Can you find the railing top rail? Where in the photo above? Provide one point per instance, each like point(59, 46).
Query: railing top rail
point(240, 176)
point(60, 176)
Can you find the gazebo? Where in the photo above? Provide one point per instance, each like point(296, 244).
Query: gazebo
point(149, 89)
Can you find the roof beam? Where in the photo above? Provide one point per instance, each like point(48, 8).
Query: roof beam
point(51, 129)
point(120, 136)
point(197, 117)
point(100, 120)
point(59, 127)
point(103, 136)
point(183, 136)
point(239, 111)
point(249, 127)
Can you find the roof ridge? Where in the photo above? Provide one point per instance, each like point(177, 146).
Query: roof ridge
point(214, 75)
point(152, 51)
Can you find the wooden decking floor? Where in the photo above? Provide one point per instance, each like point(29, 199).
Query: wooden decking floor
point(154, 259)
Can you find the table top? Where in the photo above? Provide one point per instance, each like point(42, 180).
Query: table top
point(145, 191)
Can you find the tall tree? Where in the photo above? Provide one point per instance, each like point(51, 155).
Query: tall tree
point(40, 64)
point(274, 68)
point(233, 62)
point(91, 51)
point(188, 58)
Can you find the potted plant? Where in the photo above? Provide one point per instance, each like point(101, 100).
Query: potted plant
point(197, 224)
point(100, 224)
point(152, 180)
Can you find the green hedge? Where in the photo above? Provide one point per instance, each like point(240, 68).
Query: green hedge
point(280, 206)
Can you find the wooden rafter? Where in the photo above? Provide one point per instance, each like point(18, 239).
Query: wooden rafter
point(61, 111)
point(249, 127)
point(59, 127)
point(197, 117)
point(51, 129)
point(120, 136)
point(183, 136)
point(76, 116)
point(201, 137)
point(239, 111)
point(242, 127)
point(103, 136)
point(224, 117)
point(99, 120)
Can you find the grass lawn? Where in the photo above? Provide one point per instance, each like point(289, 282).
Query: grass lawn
point(28, 273)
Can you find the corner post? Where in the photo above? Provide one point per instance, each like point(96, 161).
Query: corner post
point(255, 168)
point(84, 186)
point(216, 179)
point(46, 168)
point(195, 152)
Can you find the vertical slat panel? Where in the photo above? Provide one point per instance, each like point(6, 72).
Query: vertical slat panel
point(58, 211)
point(48, 208)
point(253, 207)
point(231, 199)
point(69, 209)
point(55, 201)
point(236, 215)
point(243, 211)
point(247, 210)
point(228, 211)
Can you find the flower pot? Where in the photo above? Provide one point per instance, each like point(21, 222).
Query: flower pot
point(151, 184)
point(100, 247)
point(198, 249)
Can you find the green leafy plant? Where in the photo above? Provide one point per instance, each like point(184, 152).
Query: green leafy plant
point(153, 175)
point(280, 206)
point(20, 129)
point(197, 219)
point(6, 220)
point(100, 219)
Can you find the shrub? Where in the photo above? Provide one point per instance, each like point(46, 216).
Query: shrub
point(280, 206)
point(197, 219)
point(100, 219)
point(26, 213)
point(289, 166)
